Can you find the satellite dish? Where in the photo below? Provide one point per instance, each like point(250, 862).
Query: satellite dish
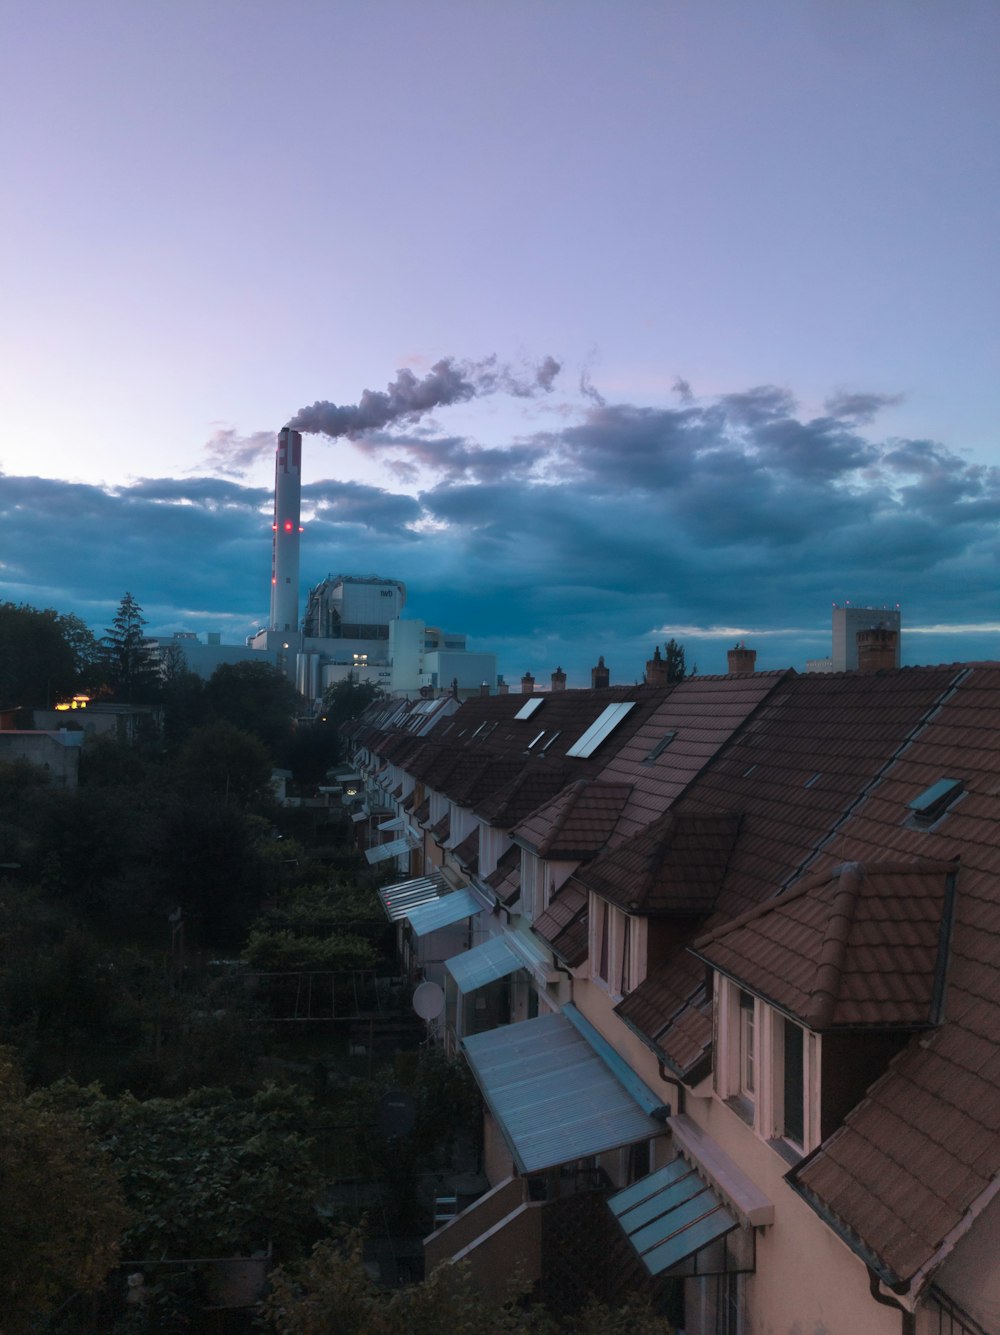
point(428, 1001)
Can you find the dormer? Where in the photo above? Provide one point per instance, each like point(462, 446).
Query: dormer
point(817, 990)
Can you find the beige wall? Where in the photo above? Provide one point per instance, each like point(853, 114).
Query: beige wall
point(497, 1161)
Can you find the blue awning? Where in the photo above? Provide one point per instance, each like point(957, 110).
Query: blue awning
point(553, 1098)
point(670, 1215)
point(444, 911)
point(483, 964)
point(400, 899)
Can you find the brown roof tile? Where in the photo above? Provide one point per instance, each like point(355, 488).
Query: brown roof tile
point(577, 822)
point(466, 853)
point(505, 879)
point(674, 866)
point(561, 923)
point(858, 945)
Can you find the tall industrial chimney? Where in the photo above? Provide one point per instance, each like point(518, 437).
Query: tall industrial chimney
point(285, 549)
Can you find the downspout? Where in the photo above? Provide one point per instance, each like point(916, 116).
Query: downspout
point(672, 1080)
point(909, 1323)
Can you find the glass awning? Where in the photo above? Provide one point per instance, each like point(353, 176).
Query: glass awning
point(670, 1215)
point(443, 912)
point(552, 1096)
point(392, 849)
point(399, 899)
point(483, 964)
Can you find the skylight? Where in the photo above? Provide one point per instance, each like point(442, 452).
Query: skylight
point(529, 707)
point(538, 738)
point(660, 746)
point(602, 727)
point(551, 740)
point(935, 800)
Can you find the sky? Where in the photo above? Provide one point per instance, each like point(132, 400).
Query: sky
point(758, 240)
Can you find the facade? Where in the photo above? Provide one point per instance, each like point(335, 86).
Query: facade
point(723, 958)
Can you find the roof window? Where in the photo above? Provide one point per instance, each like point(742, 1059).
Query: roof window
point(529, 706)
point(538, 738)
point(934, 801)
point(813, 779)
point(602, 727)
point(660, 746)
point(551, 740)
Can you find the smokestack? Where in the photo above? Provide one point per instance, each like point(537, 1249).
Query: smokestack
point(285, 546)
point(741, 659)
point(656, 669)
point(527, 684)
point(559, 680)
point(600, 676)
point(876, 648)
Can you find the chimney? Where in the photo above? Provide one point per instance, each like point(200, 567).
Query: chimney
point(876, 648)
point(285, 542)
point(484, 688)
point(454, 688)
point(600, 676)
point(503, 687)
point(656, 669)
point(527, 684)
point(559, 680)
point(741, 659)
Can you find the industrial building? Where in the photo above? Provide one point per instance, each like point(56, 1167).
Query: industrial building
point(884, 625)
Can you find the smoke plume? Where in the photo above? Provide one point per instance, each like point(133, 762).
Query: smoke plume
point(407, 398)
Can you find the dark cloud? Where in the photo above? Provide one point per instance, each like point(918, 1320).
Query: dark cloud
point(860, 408)
point(682, 389)
point(733, 513)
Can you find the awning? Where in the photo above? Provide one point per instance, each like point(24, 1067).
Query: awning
point(553, 1097)
point(399, 899)
point(390, 850)
point(670, 1215)
point(483, 964)
point(397, 823)
point(444, 911)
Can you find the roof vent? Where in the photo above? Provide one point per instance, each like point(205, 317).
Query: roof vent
point(660, 747)
point(934, 801)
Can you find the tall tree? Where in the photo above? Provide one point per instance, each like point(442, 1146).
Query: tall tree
point(673, 654)
point(255, 697)
point(131, 670)
point(37, 660)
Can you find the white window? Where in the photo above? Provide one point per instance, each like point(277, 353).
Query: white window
point(617, 947)
point(767, 1068)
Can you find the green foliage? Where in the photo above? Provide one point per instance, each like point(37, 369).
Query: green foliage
point(225, 762)
point(285, 951)
point(673, 654)
point(209, 1174)
point(62, 1208)
point(256, 698)
point(44, 656)
point(129, 665)
point(332, 1294)
point(348, 699)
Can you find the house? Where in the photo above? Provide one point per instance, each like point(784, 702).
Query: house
point(723, 959)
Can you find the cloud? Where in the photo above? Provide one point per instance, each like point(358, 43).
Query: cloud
point(738, 517)
point(859, 408)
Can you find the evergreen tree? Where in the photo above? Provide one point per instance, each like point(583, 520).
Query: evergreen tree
point(673, 654)
point(131, 670)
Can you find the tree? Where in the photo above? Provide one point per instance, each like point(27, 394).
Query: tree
point(129, 664)
point(255, 697)
point(348, 699)
point(62, 1207)
point(673, 654)
point(37, 661)
point(225, 762)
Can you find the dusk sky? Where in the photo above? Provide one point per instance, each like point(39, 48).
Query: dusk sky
point(759, 240)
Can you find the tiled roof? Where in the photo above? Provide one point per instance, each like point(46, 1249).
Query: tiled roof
point(576, 823)
point(467, 852)
point(859, 945)
point(902, 1176)
point(533, 785)
point(422, 811)
point(441, 831)
point(673, 1000)
point(563, 925)
point(505, 879)
point(678, 738)
point(673, 866)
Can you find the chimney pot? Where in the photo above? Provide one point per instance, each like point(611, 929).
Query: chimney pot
point(559, 680)
point(656, 669)
point(484, 688)
point(527, 684)
point(741, 659)
point(600, 676)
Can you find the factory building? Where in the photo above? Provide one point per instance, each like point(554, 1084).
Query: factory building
point(352, 624)
point(850, 618)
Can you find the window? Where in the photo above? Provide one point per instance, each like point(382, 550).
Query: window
point(793, 1088)
point(748, 1050)
point(618, 946)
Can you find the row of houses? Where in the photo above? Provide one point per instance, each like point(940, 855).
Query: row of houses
point(724, 959)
